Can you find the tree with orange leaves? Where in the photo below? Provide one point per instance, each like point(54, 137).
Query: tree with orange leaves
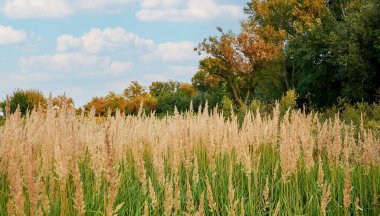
point(97, 103)
point(292, 17)
point(59, 100)
point(241, 60)
point(237, 58)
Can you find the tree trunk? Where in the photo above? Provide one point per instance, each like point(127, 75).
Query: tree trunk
point(236, 96)
point(285, 76)
point(293, 77)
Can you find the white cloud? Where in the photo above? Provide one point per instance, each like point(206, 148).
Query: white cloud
point(97, 40)
point(8, 35)
point(117, 68)
point(107, 5)
point(185, 10)
point(172, 51)
point(24, 9)
point(69, 64)
point(162, 3)
point(117, 86)
point(68, 42)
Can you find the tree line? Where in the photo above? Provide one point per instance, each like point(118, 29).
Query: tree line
point(327, 53)
point(325, 50)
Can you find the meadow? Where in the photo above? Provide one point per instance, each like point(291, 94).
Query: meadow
point(192, 163)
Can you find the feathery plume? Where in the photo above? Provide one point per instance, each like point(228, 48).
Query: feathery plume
point(325, 198)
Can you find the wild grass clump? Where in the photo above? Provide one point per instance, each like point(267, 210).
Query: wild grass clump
point(58, 163)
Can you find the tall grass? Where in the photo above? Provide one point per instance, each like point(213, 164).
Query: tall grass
point(57, 163)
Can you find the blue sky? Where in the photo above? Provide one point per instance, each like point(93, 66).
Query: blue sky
point(86, 48)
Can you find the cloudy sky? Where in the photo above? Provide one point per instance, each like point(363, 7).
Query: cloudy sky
point(86, 48)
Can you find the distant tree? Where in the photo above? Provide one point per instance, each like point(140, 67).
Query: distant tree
point(99, 104)
point(172, 94)
point(134, 90)
point(2, 108)
point(204, 81)
point(157, 89)
point(114, 102)
point(237, 59)
point(187, 89)
point(136, 95)
point(59, 100)
point(133, 105)
point(26, 100)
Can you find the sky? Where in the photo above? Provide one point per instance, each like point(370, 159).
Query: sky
point(87, 48)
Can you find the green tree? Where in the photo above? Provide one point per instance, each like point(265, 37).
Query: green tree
point(134, 90)
point(27, 100)
point(136, 95)
point(114, 102)
point(157, 89)
point(291, 17)
point(339, 57)
point(172, 94)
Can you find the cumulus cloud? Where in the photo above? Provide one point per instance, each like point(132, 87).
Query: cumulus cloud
point(24, 9)
point(172, 51)
point(161, 3)
point(107, 5)
point(185, 10)
point(9, 35)
point(73, 64)
point(117, 68)
point(97, 40)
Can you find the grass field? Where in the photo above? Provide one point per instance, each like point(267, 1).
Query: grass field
point(187, 164)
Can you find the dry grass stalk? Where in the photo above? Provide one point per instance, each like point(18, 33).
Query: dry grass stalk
point(196, 171)
point(15, 205)
point(177, 200)
point(277, 210)
point(79, 197)
point(325, 199)
point(146, 208)
point(117, 208)
point(210, 196)
point(59, 138)
point(357, 206)
point(201, 211)
point(189, 197)
point(320, 172)
point(8, 109)
point(32, 182)
point(152, 193)
point(347, 187)
point(242, 209)
point(168, 204)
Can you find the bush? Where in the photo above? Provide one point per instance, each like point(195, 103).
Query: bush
point(227, 107)
point(26, 100)
point(355, 113)
point(288, 101)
